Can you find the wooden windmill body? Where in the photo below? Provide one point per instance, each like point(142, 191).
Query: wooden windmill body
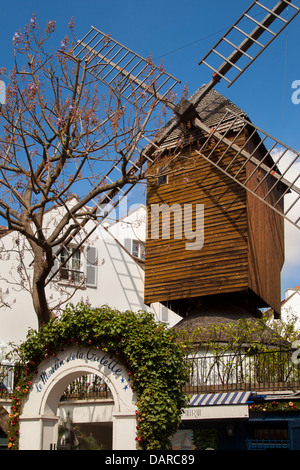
point(243, 250)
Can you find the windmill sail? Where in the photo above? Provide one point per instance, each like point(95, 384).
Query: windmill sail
point(123, 70)
point(142, 84)
point(277, 163)
point(278, 160)
point(247, 38)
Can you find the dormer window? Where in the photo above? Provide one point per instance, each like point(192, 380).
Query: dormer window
point(162, 178)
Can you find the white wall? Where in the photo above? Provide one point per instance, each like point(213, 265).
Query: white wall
point(132, 225)
point(290, 310)
point(18, 316)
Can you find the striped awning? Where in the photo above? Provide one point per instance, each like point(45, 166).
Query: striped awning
point(230, 398)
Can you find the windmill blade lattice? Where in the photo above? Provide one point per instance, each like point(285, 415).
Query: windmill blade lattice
point(123, 70)
point(138, 80)
point(270, 160)
point(247, 38)
point(116, 65)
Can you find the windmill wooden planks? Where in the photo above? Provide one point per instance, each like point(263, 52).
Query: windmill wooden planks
point(236, 253)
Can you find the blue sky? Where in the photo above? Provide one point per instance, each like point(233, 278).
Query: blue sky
point(180, 33)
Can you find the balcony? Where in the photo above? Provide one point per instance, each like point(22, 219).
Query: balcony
point(85, 387)
point(264, 371)
point(71, 276)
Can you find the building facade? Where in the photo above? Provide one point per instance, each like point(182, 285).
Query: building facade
point(108, 269)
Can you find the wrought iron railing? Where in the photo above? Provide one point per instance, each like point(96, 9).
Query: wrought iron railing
point(9, 376)
point(70, 276)
point(87, 387)
point(268, 370)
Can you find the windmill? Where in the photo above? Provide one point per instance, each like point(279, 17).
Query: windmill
point(232, 156)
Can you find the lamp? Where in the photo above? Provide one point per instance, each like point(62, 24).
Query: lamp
point(230, 430)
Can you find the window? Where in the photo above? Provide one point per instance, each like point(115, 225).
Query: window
point(162, 178)
point(138, 249)
point(74, 265)
point(273, 436)
point(70, 265)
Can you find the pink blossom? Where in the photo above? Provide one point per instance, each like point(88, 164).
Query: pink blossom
point(71, 23)
point(50, 26)
point(17, 38)
point(33, 21)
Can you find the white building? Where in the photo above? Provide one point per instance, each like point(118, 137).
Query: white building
point(106, 270)
point(290, 307)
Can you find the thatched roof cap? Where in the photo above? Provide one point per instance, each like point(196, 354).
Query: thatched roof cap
point(222, 322)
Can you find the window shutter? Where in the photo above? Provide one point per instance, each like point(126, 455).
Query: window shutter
point(164, 314)
point(91, 266)
point(128, 245)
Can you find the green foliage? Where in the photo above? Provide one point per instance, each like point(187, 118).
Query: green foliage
point(238, 335)
point(87, 442)
point(71, 437)
point(148, 350)
point(205, 438)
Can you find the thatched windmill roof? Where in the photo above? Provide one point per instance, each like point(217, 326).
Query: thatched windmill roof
point(221, 321)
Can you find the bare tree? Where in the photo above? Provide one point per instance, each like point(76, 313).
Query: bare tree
point(58, 136)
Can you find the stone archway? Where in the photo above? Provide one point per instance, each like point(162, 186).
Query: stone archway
point(39, 420)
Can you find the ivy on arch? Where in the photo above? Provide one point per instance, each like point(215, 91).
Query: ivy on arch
point(149, 351)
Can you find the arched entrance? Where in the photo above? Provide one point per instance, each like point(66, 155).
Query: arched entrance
point(39, 418)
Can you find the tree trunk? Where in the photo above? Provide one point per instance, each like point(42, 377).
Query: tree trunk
point(40, 302)
point(42, 267)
